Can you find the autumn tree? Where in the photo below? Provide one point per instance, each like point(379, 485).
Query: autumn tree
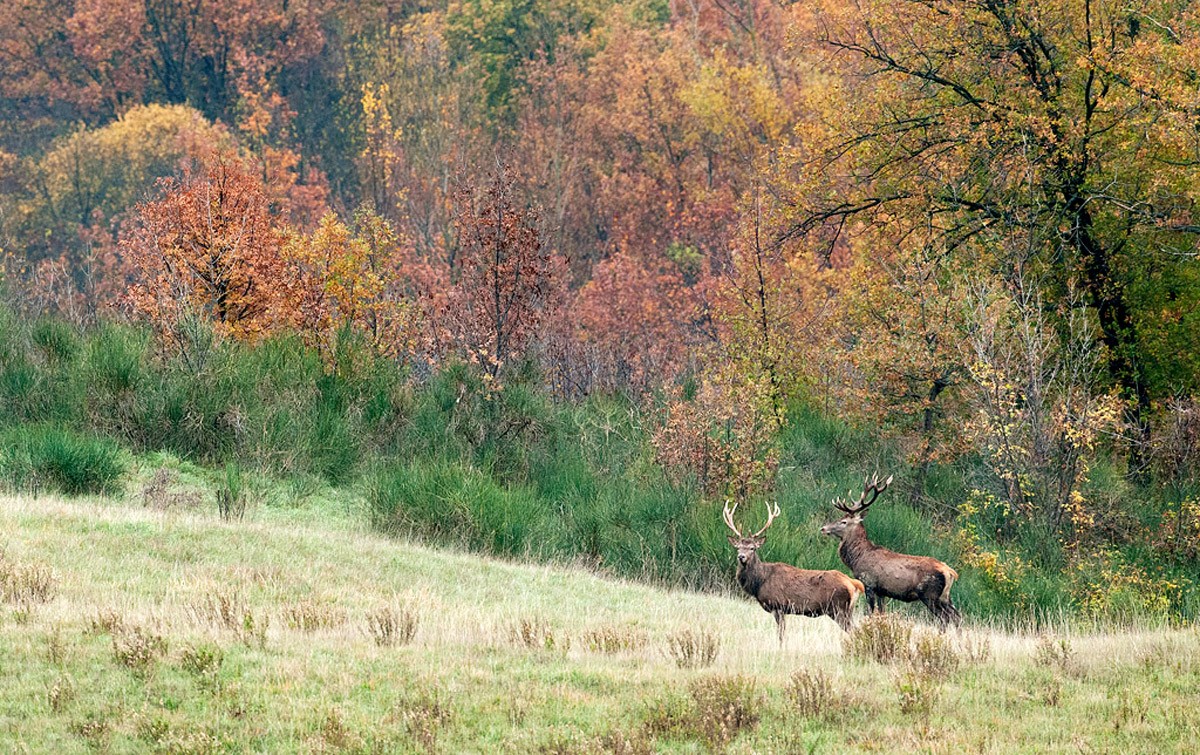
point(348, 284)
point(955, 124)
point(209, 249)
point(502, 277)
point(632, 329)
point(103, 56)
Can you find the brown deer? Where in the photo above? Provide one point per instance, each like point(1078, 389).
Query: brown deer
point(782, 589)
point(887, 574)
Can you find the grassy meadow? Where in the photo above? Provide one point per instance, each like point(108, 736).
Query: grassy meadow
point(145, 623)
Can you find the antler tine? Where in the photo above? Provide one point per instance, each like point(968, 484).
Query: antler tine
point(874, 488)
point(871, 486)
point(727, 515)
point(772, 512)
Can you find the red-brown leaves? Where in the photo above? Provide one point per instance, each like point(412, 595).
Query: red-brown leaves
point(209, 248)
point(635, 321)
point(502, 278)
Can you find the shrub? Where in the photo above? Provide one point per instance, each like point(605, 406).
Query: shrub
point(880, 637)
point(694, 649)
point(38, 456)
point(724, 707)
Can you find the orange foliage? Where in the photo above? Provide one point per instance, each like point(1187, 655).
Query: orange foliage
point(210, 249)
point(346, 284)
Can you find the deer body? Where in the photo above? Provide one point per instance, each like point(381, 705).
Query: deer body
point(783, 589)
point(887, 574)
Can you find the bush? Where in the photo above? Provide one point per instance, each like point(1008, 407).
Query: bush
point(35, 456)
point(724, 707)
point(880, 637)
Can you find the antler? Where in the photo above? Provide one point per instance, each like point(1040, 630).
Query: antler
point(871, 485)
point(772, 512)
point(728, 516)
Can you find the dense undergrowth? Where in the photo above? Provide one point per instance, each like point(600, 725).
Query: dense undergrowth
point(516, 474)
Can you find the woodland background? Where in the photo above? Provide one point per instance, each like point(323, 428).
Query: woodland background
point(553, 279)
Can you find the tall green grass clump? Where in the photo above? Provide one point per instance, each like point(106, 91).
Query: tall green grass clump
point(450, 503)
point(36, 457)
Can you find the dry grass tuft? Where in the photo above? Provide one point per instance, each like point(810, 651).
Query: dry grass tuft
point(204, 663)
point(694, 649)
point(880, 637)
point(226, 609)
point(392, 625)
point(335, 735)
point(813, 695)
point(61, 693)
point(313, 615)
point(933, 654)
point(159, 494)
point(425, 714)
point(25, 585)
point(220, 607)
point(536, 634)
point(105, 621)
point(138, 649)
point(724, 706)
point(93, 729)
point(918, 694)
point(614, 639)
point(1057, 653)
point(636, 742)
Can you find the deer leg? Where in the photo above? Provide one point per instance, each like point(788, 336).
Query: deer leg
point(871, 600)
point(951, 611)
point(841, 615)
point(875, 601)
point(934, 604)
point(780, 618)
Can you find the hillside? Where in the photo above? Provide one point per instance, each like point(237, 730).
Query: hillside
point(127, 629)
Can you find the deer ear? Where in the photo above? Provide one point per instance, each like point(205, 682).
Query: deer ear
point(758, 541)
point(733, 540)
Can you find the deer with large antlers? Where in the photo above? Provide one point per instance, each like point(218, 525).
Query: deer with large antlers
point(782, 589)
point(887, 574)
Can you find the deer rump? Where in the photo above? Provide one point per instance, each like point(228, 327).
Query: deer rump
point(903, 577)
point(780, 588)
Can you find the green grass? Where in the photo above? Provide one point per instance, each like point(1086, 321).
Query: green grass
point(164, 629)
point(35, 457)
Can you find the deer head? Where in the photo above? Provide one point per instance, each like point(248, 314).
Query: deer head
point(872, 486)
point(747, 547)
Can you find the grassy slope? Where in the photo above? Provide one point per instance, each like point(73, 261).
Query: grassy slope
point(333, 688)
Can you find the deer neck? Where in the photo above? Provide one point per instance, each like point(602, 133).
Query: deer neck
point(750, 575)
point(855, 544)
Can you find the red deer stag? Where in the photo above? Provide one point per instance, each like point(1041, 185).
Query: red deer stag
point(782, 589)
point(885, 573)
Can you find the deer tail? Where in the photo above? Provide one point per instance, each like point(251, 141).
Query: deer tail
point(856, 589)
point(949, 576)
